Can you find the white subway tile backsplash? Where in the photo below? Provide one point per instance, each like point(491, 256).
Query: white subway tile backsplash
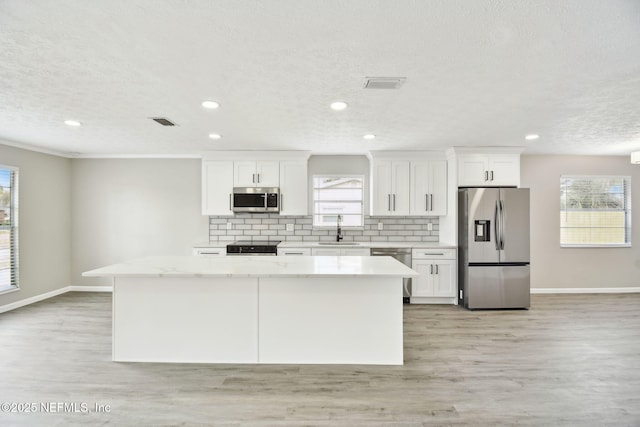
point(273, 226)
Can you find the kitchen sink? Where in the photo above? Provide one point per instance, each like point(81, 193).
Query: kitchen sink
point(338, 243)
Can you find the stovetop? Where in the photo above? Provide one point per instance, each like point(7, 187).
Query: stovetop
point(253, 247)
point(255, 243)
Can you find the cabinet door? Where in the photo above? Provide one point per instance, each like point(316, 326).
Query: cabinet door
point(422, 286)
point(438, 187)
point(244, 174)
point(355, 251)
point(420, 183)
point(217, 187)
point(381, 188)
point(293, 188)
point(473, 170)
point(400, 181)
point(268, 174)
point(444, 278)
point(504, 170)
point(325, 251)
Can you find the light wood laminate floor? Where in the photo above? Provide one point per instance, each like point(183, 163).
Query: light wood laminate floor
point(572, 360)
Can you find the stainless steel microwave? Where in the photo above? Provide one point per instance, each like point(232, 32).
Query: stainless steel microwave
point(256, 199)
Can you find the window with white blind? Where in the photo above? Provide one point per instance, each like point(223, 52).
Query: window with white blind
point(8, 228)
point(338, 195)
point(595, 211)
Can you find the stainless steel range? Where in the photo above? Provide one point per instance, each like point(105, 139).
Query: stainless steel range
point(253, 247)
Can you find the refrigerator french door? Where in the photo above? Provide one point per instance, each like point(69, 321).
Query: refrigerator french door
point(493, 234)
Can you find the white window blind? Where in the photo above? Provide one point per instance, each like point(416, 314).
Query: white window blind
point(338, 195)
point(595, 210)
point(8, 228)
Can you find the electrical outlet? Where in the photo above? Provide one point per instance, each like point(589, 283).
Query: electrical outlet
point(229, 226)
point(289, 227)
point(380, 226)
point(430, 226)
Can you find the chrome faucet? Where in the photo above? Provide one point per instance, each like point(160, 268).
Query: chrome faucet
point(339, 229)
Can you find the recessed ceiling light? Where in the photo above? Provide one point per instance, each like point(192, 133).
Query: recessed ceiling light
point(215, 136)
point(339, 105)
point(72, 123)
point(369, 136)
point(531, 137)
point(210, 104)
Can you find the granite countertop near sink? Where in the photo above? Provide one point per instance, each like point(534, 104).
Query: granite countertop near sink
point(395, 244)
point(325, 244)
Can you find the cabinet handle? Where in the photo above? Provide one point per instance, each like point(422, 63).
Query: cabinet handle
point(389, 201)
point(431, 201)
point(394, 202)
point(293, 253)
point(433, 254)
point(436, 268)
point(281, 202)
point(253, 178)
point(426, 202)
point(431, 265)
point(491, 175)
point(486, 175)
point(258, 178)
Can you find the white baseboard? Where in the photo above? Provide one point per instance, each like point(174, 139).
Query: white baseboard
point(90, 288)
point(625, 290)
point(47, 295)
point(27, 301)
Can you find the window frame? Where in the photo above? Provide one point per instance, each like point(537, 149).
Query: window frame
point(14, 253)
point(626, 209)
point(314, 204)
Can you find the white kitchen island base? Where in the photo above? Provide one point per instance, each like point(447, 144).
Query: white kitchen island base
point(345, 310)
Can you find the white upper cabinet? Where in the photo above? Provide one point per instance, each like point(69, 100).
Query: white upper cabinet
point(293, 188)
point(390, 189)
point(488, 169)
point(223, 170)
point(248, 173)
point(408, 183)
point(428, 187)
point(217, 187)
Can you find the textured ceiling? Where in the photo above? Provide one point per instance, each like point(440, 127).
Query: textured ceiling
point(481, 72)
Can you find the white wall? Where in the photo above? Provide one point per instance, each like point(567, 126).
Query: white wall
point(129, 208)
point(44, 222)
point(556, 267)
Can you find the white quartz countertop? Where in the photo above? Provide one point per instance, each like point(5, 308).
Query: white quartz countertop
point(298, 244)
point(256, 266)
point(417, 245)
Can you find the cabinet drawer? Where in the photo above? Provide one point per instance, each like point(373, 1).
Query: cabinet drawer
point(210, 251)
point(294, 252)
point(434, 253)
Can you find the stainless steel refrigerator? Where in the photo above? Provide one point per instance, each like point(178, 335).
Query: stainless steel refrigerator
point(493, 240)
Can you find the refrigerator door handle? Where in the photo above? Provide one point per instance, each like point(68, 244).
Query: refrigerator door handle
point(496, 228)
point(502, 215)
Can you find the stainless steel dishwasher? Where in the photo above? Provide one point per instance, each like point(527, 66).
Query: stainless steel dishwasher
point(404, 256)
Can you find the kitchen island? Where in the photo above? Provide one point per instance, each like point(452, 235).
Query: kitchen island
point(248, 309)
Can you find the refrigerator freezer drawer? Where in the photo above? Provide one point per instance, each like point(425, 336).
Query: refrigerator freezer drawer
point(498, 287)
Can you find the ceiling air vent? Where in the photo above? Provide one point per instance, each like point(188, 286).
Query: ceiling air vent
point(383, 82)
point(163, 121)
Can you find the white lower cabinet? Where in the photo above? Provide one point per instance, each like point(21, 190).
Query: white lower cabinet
point(294, 251)
point(437, 282)
point(333, 251)
point(214, 251)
